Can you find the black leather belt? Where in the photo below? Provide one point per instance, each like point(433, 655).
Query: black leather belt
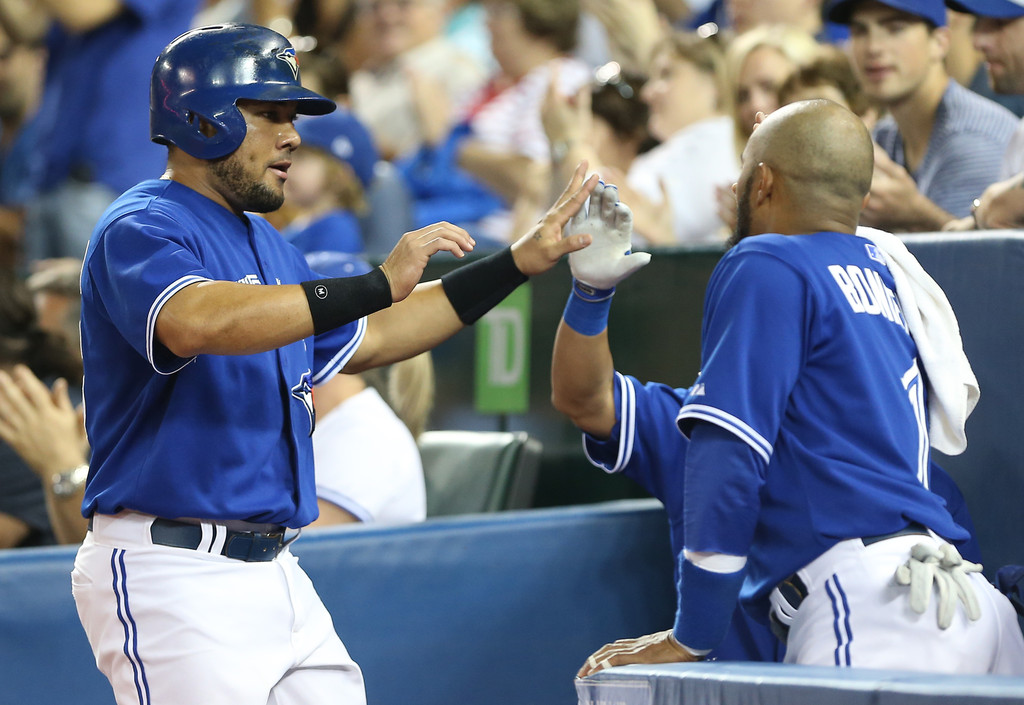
point(249, 546)
point(794, 591)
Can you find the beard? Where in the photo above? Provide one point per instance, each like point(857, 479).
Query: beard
point(248, 193)
point(742, 216)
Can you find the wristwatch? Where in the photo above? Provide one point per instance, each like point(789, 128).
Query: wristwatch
point(67, 483)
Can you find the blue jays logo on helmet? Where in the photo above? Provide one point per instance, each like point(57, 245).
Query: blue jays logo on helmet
point(200, 75)
point(288, 56)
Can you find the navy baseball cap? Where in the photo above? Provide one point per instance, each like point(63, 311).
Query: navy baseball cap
point(934, 11)
point(344, 137)
point(1000, 9)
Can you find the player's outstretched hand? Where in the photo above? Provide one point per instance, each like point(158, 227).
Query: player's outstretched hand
point(609, 258)
point(538, 250)
point(653, 648)
point(404, 265)
point(943, 568)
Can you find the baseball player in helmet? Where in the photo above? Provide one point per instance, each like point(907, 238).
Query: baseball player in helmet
point(204, 333)
point(806, 477)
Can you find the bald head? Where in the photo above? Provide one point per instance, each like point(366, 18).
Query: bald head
point(820, 150)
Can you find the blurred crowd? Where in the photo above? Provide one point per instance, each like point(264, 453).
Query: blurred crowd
point(473, 112)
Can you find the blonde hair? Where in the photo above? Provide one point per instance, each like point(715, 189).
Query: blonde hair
point(706, 55)
point(796, 44)
point(408, 388)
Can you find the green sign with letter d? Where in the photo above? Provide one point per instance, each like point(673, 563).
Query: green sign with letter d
point(503, 356)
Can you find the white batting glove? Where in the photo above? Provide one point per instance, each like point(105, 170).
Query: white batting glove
point(608, 260)
point(944, 568)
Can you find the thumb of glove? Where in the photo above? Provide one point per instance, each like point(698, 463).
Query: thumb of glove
point(630, 263)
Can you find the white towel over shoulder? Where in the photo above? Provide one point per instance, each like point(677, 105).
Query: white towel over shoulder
point(952, 387)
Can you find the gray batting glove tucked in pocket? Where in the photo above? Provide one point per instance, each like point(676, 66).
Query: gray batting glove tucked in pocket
point(943, 568)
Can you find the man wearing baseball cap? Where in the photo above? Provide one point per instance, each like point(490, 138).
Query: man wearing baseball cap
point(999, 36)
point(940, 144)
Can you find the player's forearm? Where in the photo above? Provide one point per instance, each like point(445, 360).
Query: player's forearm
point(582, 375)
point(420, 322)
point(225, 318)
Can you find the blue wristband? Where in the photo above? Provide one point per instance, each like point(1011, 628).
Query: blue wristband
point(586, 312)
point(707, 601)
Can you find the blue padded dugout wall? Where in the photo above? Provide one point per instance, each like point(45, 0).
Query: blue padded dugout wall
point(497, 608)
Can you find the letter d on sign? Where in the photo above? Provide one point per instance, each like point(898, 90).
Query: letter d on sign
point(503, 356)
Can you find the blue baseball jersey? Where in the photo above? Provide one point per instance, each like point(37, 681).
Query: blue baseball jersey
point(808, 364)
point(214, 436)
point(646, 446)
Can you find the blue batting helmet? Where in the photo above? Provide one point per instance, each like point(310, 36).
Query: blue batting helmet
point(204, 71)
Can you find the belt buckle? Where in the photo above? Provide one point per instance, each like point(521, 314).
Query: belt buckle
point(253, 546)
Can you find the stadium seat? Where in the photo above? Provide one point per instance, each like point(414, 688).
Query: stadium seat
point(468, 472)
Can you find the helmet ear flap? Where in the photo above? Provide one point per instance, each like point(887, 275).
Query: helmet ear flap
point(210, 136)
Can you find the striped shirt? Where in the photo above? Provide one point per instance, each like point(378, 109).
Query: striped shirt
point(968, 141)
point(1013, 161)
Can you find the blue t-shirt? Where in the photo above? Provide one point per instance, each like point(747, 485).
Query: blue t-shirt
point(93, 118)
point(215, 436)
point(335, 231)
point(807, 361)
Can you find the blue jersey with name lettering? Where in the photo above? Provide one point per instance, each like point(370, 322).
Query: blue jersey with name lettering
point(806, 360)
point(214, 436)
point(646, 446)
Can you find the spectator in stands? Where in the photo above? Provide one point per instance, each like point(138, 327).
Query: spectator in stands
point(91, 138)
point(999, 35)
point(604, 124)
point(21, 83)
point(941, 144)
point(829, 75)
point(325, 191)
point(966, 65)
point(416, 82)
point(368, 466)
point(42, 461)
point(758, 62)
point(57, 298)
point(671, 187)
point(740, 16)
point(632, 28)
point(492, 169)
